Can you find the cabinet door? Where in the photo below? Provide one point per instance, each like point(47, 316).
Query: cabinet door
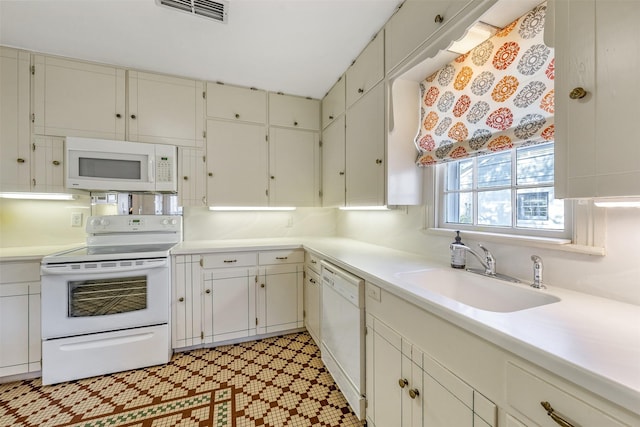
point(294, 168)
point(333, 105)
point(191, 177)
point(236, 103)
point(14, 329)
point(229, 304)
point(166, 110)
point(14, 120)
point(595, 155)
point(236, 164)
point(186, 304)
point(294, 111)
point(387, 372)
point(73, 98)
point(333, 164)
point(312, 304)
point(442, 408)
point(366, 71)
point(413, 24)
point(35, 333)
point(47, 160)
point(365, 138)
point(279, 299)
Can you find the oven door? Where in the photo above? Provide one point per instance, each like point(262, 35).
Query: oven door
point(90, 297)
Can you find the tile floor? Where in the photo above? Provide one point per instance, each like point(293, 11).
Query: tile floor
point(278, 381)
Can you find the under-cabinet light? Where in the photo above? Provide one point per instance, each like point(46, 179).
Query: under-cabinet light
point(39, 196)
point(477, 34)
point(364, 208)
point(251, 208)
point(622, 202)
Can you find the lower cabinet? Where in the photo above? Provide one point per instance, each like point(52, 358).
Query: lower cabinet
point(20, 337)
point(311, 293)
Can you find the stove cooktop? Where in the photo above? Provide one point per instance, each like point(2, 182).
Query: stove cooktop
point(110, 252)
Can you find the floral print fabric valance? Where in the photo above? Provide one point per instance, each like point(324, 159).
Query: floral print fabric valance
point(495, 97)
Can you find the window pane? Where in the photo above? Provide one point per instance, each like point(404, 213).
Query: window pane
point(460, 175)
point(537, 208)
point(494, 208)
point(535, 164)
point(459, 208)
point(494, 170)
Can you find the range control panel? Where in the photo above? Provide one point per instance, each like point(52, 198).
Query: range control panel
point(133, 223)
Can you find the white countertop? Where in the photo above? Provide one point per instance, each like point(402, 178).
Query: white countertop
point(33, 253)
point(593, 342)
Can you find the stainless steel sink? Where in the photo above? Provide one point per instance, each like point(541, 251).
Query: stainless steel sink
point(481, 292)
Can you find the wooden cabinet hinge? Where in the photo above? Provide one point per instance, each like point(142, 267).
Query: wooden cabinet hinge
point(33, 147)
point(256, 321)
point(33, 70)
point(204, 159)
point(201, 262)
point(266, 192)
point(320, 144)
point(266, 138)
point(304, 314)
point(33, 117)
point(256, 279)
point(320, 193)
point(204, 95)
point(204, 133)
point(202, 335)
point(304, 274)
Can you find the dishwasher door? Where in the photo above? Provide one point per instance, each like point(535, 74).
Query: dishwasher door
point(343, 334)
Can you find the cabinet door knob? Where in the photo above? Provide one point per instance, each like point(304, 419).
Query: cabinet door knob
point(341, 173)
point(133, 116)
point(56, 163)
point(237, 116)
point(360, 90)
point(378, 161)
point(186, 178)
point(273, 177)
point(181, 299)
point(295, 123)
point(439, 19)
point(262, 285)
point(577, 93)
point(118, 115)
point(403, 382)
point(20, 160)
point(207, 291)
point(554, 416)
point(210, 174)
point(330, 117)
point(413, 393)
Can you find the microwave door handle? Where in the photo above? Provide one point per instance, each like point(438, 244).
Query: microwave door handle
point(151, 169)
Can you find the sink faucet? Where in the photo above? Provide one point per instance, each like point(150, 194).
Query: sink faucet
point(488, 263)
point(537, 272)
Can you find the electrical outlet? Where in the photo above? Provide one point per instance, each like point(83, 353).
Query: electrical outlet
point(76, 219)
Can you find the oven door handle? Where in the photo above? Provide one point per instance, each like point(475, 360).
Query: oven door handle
point(65, 269)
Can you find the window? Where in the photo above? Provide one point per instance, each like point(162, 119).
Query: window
point(507, 192)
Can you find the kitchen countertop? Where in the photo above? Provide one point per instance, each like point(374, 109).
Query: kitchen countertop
point(33, 253)
point(591, 341)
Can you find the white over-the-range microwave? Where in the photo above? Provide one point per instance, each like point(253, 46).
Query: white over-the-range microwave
point(106, 165)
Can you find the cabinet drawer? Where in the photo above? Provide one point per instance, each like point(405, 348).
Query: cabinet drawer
point(236, 103)
point(312, 262)
point(289, 256)
point(16, 272)
point(294, 111)
point(526, 392)
point(231, 259)
point(312, 277)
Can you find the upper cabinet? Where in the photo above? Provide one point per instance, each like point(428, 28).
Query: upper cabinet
point(413, 24)
point(333, 104)
point(15, 145)
point(597, 153)
point(294, 111)
point(73, 98)
point(165, 109)
point(366, 71)
point(236, 103)
point(333, 165)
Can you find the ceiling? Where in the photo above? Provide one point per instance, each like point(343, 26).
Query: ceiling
point(298, 47)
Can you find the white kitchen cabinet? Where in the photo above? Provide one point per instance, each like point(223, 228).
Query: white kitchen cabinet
point(186, 302)
point(333, 164)
point(333, 104)
point(413, 24)
point(192, 185)
point(237, 163)
point(366, 71)
point(20, 335)
point(596, 98)
point(165, 109)
point(312, 299)
point(294, 111)
point(294, 167)
point(365, 150)
point(74, 98)
point(15, 145)
point(279, 296)
point(236, 103)
point(47, 160)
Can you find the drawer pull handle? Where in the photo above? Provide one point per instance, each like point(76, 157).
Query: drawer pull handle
point(554, 416)
point(282, 257)
point(312, 281)
point(402, 382)
point(230, 260)
point(181, 299)
point(313, 261)
point(413, 393)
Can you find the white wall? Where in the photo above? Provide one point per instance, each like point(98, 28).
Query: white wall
point(202, 224)
point(41, 222)
point(616, 275)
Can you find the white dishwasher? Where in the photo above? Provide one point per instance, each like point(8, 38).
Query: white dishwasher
point(342, 331)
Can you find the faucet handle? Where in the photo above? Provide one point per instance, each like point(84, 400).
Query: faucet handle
point(489, 259)
point(537, 272)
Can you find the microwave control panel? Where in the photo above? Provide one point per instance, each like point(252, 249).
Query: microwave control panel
point(164, 169)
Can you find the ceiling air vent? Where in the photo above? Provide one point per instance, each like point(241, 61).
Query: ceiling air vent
point(216, 10)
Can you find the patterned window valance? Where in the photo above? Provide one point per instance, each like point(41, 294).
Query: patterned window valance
point(496, 97)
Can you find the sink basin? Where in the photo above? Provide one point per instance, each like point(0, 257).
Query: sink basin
point(484, 293)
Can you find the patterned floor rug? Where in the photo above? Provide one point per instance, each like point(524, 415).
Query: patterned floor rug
point(274, 382)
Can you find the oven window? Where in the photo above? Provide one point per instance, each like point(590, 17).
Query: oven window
point(107, 296)
point(109, 168)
